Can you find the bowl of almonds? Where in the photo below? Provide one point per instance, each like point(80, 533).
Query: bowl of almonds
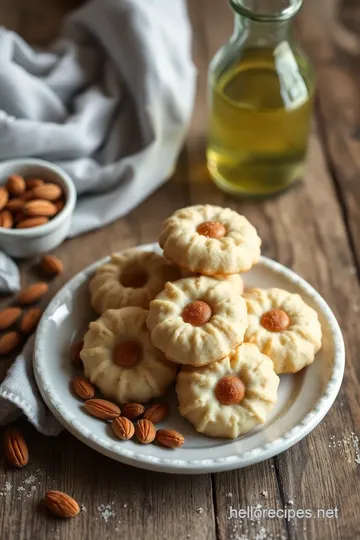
point(37, 200)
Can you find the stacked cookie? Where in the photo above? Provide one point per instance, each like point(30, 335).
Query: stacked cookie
point(230, 345)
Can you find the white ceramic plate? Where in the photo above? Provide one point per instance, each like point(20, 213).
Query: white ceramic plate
point(303, 401)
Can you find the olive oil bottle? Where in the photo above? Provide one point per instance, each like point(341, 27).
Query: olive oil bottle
point(261, 101)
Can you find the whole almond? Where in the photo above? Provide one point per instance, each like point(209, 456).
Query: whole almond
point(33, 293)
point(32, 183)
point(15, 185)
point(145, 431)
point(9, 342)
point(123, 428)
point(27, 223)
point(157, 412)
point(51, 265)
point(83, 388)
point(30, 320)
point(6, 219)
point(15, 448)
point(75, 353)
point(103, 409)
point(47, 192)
point(26, 196)
point(14, 205)
point(39, 207)
point(4, 197)
point(132, 410)
point(169, 438)
point(8, 316)
point(61, 504)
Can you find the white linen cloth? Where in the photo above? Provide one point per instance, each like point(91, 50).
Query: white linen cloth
point(110, 102)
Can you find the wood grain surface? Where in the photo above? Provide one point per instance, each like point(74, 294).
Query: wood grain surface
point(314, 229)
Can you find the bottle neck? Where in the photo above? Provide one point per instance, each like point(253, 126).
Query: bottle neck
point(264, 34)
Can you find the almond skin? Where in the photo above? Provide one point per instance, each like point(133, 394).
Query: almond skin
point(9, 342)
point(6, 219)
point(14, 205)
point(51, 265)
point(40, 208)
point(61, 504)
point(211, 229)
point(30, 320)
point(47, 192)
point(4, 197)
point(75, 353)
point(132, 410)
point(103, 409)
point(9, 316)
point(123, 428)
point(16, 185)
point(157, 412)
point(275, 320)
point(145, 431)
point(27, 223)
point(32, 183)
point(197, 313)
point(33, 293)
point(229, 390)
point(15, 448)
point(169, 438)
point(83, 388)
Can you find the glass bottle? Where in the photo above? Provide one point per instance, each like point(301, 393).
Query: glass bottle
point(261, 101)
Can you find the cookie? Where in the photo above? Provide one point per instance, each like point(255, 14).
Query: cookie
point(197, 320)
point(230, 397)
point(235, 279)
point(210, 240)
point(121, 361)
point(284, 328)
point(131, 278)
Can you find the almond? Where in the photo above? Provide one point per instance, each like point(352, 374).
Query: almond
point(51, 265)
point(83, 388)
point(4, 197)
point(47, 192)
point(169, 438)
point(30, 320)
point(59, 205)
point(75, 353)
point(275, 320)
point(61, 504)
point(229, 390)
point(132, 410)
point(123, 428)
point(9, 342)
point(33, 293)
point(127, 353)
point(8, 316)
point(32, 183)
point(15, 448)
point(103, 409)
point(145, 431)
point(39, 207)
point(14, 205)
point(197, 313)
point(157, 412)
point(30, 222)
point(26, 196)
point(6, 219)
point(15, 185)
point(211, 229)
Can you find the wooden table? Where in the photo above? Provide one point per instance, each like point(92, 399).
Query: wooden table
point(314, 229)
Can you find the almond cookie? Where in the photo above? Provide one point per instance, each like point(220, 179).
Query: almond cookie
point(120, 359)
point(197, 320)
point(132, 278)
point(210, 240)
point(235, 279)
point(283, 327)
point(230, 397)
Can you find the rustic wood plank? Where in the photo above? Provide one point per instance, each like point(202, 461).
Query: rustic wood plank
point(335, 52)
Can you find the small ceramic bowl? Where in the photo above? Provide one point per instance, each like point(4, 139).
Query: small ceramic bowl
point(28, 242)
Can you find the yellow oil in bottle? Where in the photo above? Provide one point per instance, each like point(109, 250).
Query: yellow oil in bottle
point(259, 125)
